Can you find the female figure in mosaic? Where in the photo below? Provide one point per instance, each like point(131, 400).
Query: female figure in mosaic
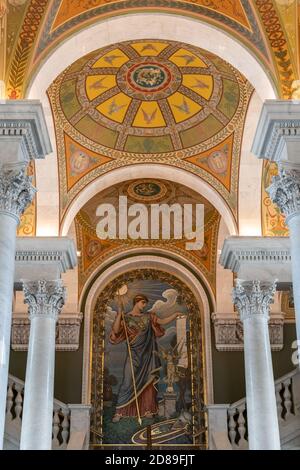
point(138, 394)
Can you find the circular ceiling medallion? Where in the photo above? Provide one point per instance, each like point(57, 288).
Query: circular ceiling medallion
point(149, 80)
point(147, 190)
point(149, 76)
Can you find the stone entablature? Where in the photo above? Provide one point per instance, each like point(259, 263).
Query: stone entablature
point(23, 131)
point(43, 258)
point(278, 131)
point(260, 258)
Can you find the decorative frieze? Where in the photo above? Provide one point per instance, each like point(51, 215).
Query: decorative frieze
point(229, 333)
point(67, 332)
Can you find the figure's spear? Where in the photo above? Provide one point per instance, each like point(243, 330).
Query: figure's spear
point(130, 359)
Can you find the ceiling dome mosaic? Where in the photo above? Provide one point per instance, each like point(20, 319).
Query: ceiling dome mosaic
point(150, 96)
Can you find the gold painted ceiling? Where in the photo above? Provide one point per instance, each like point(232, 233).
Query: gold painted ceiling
point(31, 29)
point(149, 96)
point(149, 101)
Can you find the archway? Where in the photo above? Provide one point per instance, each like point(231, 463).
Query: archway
point(148, 273)
point(186, 274)
point(165, 172)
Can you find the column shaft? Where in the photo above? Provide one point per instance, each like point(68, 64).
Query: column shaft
point(285, 193)
point(8, 226)
point(294, 226)
point(263, 432)
point(39, 386)
point(252, 300)
point(45, 299)
point(16, 192)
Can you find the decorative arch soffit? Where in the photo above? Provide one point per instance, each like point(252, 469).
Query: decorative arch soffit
point(131, 257)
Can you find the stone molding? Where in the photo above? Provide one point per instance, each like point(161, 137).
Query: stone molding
point(253, 298)
point(240, 250)
point(285, 191)
point(43, 258)
point(67, 332)
point(44, 298)
point(16, 190)
point(278, 131)
point(229, 334)
point(23, 122)
point(262, 258)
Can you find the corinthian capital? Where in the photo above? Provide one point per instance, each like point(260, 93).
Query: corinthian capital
point(285, 191)
point(16, 191)
point(253, 298)
point(45, 298)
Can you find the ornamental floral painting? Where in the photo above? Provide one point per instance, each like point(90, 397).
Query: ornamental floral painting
point(147, 354)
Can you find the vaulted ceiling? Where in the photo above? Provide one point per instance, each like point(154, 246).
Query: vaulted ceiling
point(149, 100)
point(149, 96)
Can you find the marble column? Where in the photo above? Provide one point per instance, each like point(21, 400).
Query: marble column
point(252, 299)
point(16, 192)
point(285, 192)
point(45, 300)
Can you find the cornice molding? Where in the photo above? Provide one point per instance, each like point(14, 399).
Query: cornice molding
point(268, 258)
point(22, 122)
point(43, 257)
point(277, 135)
